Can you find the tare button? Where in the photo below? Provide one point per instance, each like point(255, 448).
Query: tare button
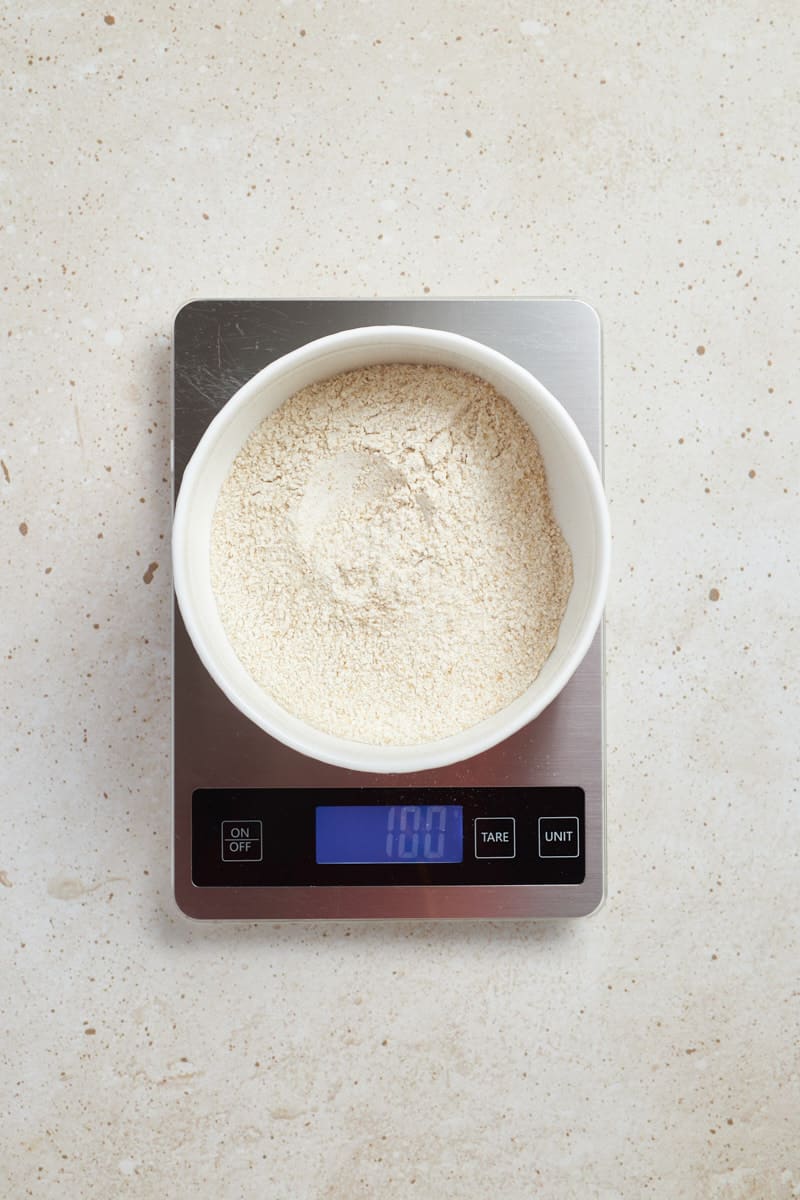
point(559, 837)
point(241, 841)
point(494, 837)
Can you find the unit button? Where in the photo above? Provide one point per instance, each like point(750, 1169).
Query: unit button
point(559, 837)
point(241, 841)
point(494, 837)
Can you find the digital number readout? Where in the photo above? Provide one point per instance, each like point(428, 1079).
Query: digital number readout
point(397, 833)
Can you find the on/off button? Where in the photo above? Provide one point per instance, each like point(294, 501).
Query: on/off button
point(241, 841)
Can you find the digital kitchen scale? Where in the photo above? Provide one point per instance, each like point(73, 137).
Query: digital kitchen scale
point(261, 831)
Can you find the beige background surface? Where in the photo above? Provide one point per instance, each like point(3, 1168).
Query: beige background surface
point(643, 157)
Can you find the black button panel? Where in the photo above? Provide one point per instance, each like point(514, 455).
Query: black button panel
point(266, 837)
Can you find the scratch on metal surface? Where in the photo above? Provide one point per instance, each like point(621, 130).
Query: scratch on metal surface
point(213, 389)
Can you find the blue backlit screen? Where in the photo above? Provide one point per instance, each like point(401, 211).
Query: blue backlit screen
point(397, 833)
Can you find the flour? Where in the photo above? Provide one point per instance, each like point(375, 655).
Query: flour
point(384, 557)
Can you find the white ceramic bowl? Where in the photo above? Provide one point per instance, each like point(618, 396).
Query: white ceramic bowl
point(578, 503)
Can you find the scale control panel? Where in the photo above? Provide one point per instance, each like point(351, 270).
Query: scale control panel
point(312, 837)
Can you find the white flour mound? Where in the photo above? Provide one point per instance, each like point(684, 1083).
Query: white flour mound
point(384, 556)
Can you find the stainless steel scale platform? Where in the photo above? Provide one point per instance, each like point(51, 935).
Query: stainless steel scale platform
point(245, 805)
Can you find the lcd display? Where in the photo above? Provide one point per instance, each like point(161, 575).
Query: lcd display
point(397, 833)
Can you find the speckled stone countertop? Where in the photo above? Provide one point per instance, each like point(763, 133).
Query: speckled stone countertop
point(645, 159)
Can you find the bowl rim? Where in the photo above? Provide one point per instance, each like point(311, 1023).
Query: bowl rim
point(369, 757)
